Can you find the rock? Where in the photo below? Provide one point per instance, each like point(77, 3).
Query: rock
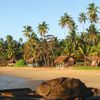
point(63, 89)
point(96, 91)
point(19, 94)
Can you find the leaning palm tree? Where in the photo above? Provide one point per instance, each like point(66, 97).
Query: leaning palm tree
point(27, 30)
point(66, 21)
point(93, 13)
point(82, 18)
point(43, 28)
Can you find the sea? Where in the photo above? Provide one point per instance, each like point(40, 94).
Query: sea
point(12, 82)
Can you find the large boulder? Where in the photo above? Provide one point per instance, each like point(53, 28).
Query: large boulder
point(63, 89)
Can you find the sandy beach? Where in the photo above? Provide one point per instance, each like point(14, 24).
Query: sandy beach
point(90, 77)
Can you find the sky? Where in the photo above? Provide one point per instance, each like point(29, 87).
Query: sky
point(14, 14)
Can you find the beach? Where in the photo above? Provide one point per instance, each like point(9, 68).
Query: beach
point(90, 77)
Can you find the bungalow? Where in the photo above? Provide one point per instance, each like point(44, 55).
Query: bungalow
point(11, 62)
point(64, 61)
point(95, 60)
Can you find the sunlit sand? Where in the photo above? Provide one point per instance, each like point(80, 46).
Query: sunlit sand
point(90, 77)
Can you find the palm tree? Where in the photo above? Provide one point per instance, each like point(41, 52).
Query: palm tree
point(2, 49)
point(93, 13)
point(93, 32)
point(27, 50)
point(1, 44)
point(85, 50)
point(30, 45)
point(9, 39)
point(69, 50)
point(27, 30)
point(10, 49)
point(82, 18)
point(20, 40)
point(43, 28)
point(66, 21)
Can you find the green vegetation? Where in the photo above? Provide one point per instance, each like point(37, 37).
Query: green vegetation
point(86, 68)
point(20, 63)
point(44, 50)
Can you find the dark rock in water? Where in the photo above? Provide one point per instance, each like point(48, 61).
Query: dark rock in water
point(19, 90)
point(19, 94)
point(64, 89)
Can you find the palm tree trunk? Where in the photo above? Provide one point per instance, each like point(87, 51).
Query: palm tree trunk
point(83, 28)
point(85, 60)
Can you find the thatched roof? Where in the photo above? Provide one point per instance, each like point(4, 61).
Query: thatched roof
point(11, 61)
point(30, 60)
point(92, 58)
point(60, 59)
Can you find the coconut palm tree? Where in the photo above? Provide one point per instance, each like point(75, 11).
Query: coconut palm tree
point(82, 18)
point(69, 50)
point(10, 49)
point(1, 44)
point(2, 49)
point(43, 28)
point(20, 40)
point(27, 30)
point(9, 39)
point(93, 13)
point(66, 22)
point(30, 45)
point(93, 32)
point(85, 50)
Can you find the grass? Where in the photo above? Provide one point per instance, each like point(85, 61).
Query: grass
point(20, 63)
point(87, 68)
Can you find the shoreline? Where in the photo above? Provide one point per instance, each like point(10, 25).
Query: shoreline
point(90, 77)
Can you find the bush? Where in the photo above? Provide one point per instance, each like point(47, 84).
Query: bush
point(83, 63)
point(20, 63)
point(79, 64)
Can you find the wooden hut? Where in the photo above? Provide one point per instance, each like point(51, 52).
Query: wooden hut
point(95, 60)
point(11, 62)
point(64, 61)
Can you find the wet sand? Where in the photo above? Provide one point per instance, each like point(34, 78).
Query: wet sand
point(90, 77)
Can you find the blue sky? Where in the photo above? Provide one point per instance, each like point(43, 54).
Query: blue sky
point(14, 14)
